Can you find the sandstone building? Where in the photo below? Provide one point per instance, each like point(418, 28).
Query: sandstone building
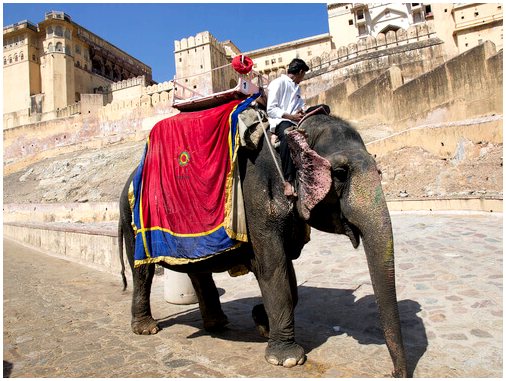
point(57, 68)
point(197, 58)
point(49, 65)
point(461, 26)
point(354, 28)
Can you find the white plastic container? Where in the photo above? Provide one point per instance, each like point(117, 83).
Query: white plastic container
point(178, 288)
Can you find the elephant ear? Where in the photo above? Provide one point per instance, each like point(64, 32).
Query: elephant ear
point(314, 173)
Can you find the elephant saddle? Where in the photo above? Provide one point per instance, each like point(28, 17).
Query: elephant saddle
point(185, 195)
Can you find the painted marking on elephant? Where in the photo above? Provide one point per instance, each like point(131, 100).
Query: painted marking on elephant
point(388, 256)
point(378, 198)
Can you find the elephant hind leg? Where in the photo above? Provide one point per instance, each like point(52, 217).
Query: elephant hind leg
point(142, 320)
point(261, 320)
point(209, 301)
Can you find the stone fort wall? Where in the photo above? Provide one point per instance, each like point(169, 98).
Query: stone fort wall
point(464, 87)
point(467, 86)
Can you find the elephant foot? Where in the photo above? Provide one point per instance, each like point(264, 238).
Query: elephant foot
point(146, 326)
point(286, 354)
point(215, 324)
point(261, 320)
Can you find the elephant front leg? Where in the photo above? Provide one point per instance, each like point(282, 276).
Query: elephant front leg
point(279, 292)
point(142, 320)
point(209, 301)
point(260, 316)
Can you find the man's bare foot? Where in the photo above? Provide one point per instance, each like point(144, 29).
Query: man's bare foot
point(289, 190)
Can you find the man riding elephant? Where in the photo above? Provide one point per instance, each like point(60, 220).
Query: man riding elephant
point(285, 109)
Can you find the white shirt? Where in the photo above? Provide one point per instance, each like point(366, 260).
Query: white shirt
point(283, 97)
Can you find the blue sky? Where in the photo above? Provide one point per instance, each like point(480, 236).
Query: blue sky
point(148, 31)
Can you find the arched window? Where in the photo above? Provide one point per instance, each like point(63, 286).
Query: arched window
point(16, 57)
point(59, 47)
point(49, 30)
point(59, 31)
point(21, 56)
point(67, 34)
point(78, 64)
point(108, 71)
point(5, 61)
point(50, 47)
point(10, 59)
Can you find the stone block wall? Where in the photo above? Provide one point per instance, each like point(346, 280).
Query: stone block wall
point(466, 86)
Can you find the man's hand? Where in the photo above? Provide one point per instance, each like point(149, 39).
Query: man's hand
point(294, 117)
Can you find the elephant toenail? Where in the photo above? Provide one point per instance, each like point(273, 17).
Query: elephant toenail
point(272, 360)
point(289, 363)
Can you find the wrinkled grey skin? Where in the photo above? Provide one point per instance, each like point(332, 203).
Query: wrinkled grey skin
point(354, 206)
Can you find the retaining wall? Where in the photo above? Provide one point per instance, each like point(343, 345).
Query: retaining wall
point(464, 87)
point(442, 139)
point(96, 244)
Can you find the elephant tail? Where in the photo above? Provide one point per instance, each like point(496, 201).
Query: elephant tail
point(120, 247)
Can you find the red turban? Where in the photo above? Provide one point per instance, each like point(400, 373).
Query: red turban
point(242, 64)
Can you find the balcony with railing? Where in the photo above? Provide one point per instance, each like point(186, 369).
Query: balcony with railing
point(20, 25)
point(57, 15)
point(357, 6)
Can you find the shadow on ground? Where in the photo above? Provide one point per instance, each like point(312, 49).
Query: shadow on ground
point(7, 369)
point(320, 314)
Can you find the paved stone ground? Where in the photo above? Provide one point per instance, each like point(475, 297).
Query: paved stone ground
point(62, 319)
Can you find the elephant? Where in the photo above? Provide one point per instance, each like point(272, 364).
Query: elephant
point(352, 204)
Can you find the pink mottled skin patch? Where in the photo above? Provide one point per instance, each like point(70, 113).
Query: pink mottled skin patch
point(314, 173)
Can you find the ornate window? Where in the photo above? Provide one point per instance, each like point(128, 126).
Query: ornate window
point(50, 47)
point(59, 47)
point(49, 30)
point(59, 31)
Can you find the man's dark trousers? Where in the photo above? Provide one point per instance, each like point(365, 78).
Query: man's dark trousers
point(286, 160)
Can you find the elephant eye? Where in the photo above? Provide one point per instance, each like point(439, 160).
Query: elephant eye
point(341, 174)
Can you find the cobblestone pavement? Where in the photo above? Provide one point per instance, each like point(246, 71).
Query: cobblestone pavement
point(62, 319)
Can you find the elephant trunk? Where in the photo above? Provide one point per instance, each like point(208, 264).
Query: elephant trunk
point(366, 209)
